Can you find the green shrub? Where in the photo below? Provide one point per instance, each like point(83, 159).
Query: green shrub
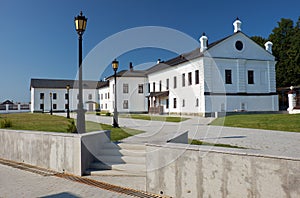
point(72, 127)
point(98, 113)
point(6, 123)
point(107, 114)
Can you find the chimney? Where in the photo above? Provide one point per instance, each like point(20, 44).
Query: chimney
point(237, 25)
point(130, 66)
point(268, 46)
point(158, 61)
point(203, 42)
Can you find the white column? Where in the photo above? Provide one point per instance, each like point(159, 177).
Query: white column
point(292, 99)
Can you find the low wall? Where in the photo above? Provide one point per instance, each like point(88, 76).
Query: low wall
point(179, 170)
point(62, 152)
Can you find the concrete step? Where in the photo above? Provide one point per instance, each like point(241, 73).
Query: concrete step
point(132, 168)
point(121, 145)
point(107, 159)
point(121, 152)
point(95, 172)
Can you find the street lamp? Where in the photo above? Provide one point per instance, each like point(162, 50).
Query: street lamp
point(68, 101)
point(80, 25)
point(51, 104)
point(43, 99)
point(115, 65)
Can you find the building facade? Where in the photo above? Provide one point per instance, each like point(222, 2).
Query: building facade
point(229, 75)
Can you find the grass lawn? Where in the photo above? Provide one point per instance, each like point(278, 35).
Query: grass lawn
point(46, 122)
point(198, 142)
point(281, 122)
point(155, 118)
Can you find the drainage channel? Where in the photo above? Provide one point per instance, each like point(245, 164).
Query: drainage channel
point(87, 181)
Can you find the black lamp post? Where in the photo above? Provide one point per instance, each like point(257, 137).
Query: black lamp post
point(68, 101)
point(43, 99)
point(80, 25)
point(115, 65)
point(51, 112)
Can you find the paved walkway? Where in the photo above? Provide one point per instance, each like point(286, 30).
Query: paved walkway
point(19, 183)
point(269, 142)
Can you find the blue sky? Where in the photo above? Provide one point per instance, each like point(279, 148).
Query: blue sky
point(38, 39)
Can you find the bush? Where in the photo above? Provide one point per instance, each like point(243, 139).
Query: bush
point(72, 127)
point(107, 114)
point(98, 113)
point(6, 123)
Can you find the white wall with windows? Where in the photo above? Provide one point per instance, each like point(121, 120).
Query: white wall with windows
point(40, 99)
point(131, 94)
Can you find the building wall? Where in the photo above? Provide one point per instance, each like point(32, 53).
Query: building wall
point(61, 101)
point(202, 171)
point(186, 95)
point(105, 99)
point(137, 102)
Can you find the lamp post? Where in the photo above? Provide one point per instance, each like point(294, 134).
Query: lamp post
point(80, 25)
point(115, 65)
point(51, 104)
point(43, 99)
point(68, 101)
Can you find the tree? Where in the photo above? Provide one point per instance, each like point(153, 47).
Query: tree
point(259, 40)
point(286, 49)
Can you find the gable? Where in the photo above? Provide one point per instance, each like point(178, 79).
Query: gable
point(239, 46)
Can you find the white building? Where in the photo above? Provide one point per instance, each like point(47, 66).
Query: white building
point(232, 74)
point(41, 99)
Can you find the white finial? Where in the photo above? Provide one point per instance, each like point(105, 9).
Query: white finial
point(268, 46)
point(237, 25)
point(203, 42)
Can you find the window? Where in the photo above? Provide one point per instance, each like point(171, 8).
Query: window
point(148, 87)
point(183, 103)
point(101, 96)
point(113, 88)
point(160, 85)
point(197, 102)
point(228, 76)
point(90, 96)
point(141, 88)
point(250, 77)
point(174, 103)
point(105, 105)
point(105, 95)
point(42, 106)
point(167, 103)
point(98, 96)
point(66, 96)
point(239, 45)
point(66, 106)
point(42, 96)
point(167, 84)
point(153, 86)
point(222, 107)
point(125, 104)
point(101, 106)
point(54, 96)
point(243, 106)
point(125, 88)
point(183, 80)
point(175, 82)
point(190, 78)
point(197, 77)
point(54, 106)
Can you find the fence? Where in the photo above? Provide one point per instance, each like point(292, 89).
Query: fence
point(14, 108)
